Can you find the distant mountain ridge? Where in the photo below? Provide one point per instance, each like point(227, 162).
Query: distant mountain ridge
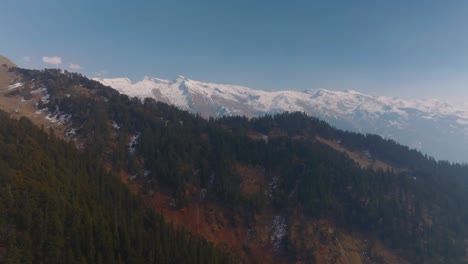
point(435, 127)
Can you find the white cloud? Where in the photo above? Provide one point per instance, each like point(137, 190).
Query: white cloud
point(26, 59)
point(54, 60)
point(75, 67)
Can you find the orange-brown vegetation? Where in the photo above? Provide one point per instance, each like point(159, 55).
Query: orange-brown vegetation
point(253, 179)
point(360, 158)
point(228, 229)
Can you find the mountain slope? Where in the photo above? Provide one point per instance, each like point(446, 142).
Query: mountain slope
point(435, 127)
point(6, 62)
point(60, 206)
point(276, 189)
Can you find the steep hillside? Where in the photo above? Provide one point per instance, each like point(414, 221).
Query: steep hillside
point(435, 127)
point(60, 206)
point(19, 99)
point(282, 188)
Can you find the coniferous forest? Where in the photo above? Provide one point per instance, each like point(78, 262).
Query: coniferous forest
point(59, 204)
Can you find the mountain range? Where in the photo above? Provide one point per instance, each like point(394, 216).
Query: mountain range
point(435, 127)
point(279, 188)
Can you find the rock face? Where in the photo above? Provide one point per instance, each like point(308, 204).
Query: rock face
point(435, 127)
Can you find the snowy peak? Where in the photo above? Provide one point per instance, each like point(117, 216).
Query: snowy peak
point(120, 84)
point(342, 102)
point(421, 124)
point(180, 79)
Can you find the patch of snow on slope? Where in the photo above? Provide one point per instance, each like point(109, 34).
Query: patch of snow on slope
point(115, 125)
point(272, 187)
point(58, 118)
point(39, 90)
point(133, 143)
point(14, 86)
point(70, 132)
point(279, 232)
point(45, 94)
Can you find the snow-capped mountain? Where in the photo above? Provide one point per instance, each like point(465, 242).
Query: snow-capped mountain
point(433, 126)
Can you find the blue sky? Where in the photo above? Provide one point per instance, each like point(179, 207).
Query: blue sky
point(399, 48)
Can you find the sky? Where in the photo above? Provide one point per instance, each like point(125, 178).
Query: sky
point(409, 49)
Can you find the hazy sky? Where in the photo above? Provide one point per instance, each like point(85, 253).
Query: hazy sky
point(401, 48)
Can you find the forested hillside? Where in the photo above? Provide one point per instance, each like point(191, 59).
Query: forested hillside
point(60, 206)
point(270, 171)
